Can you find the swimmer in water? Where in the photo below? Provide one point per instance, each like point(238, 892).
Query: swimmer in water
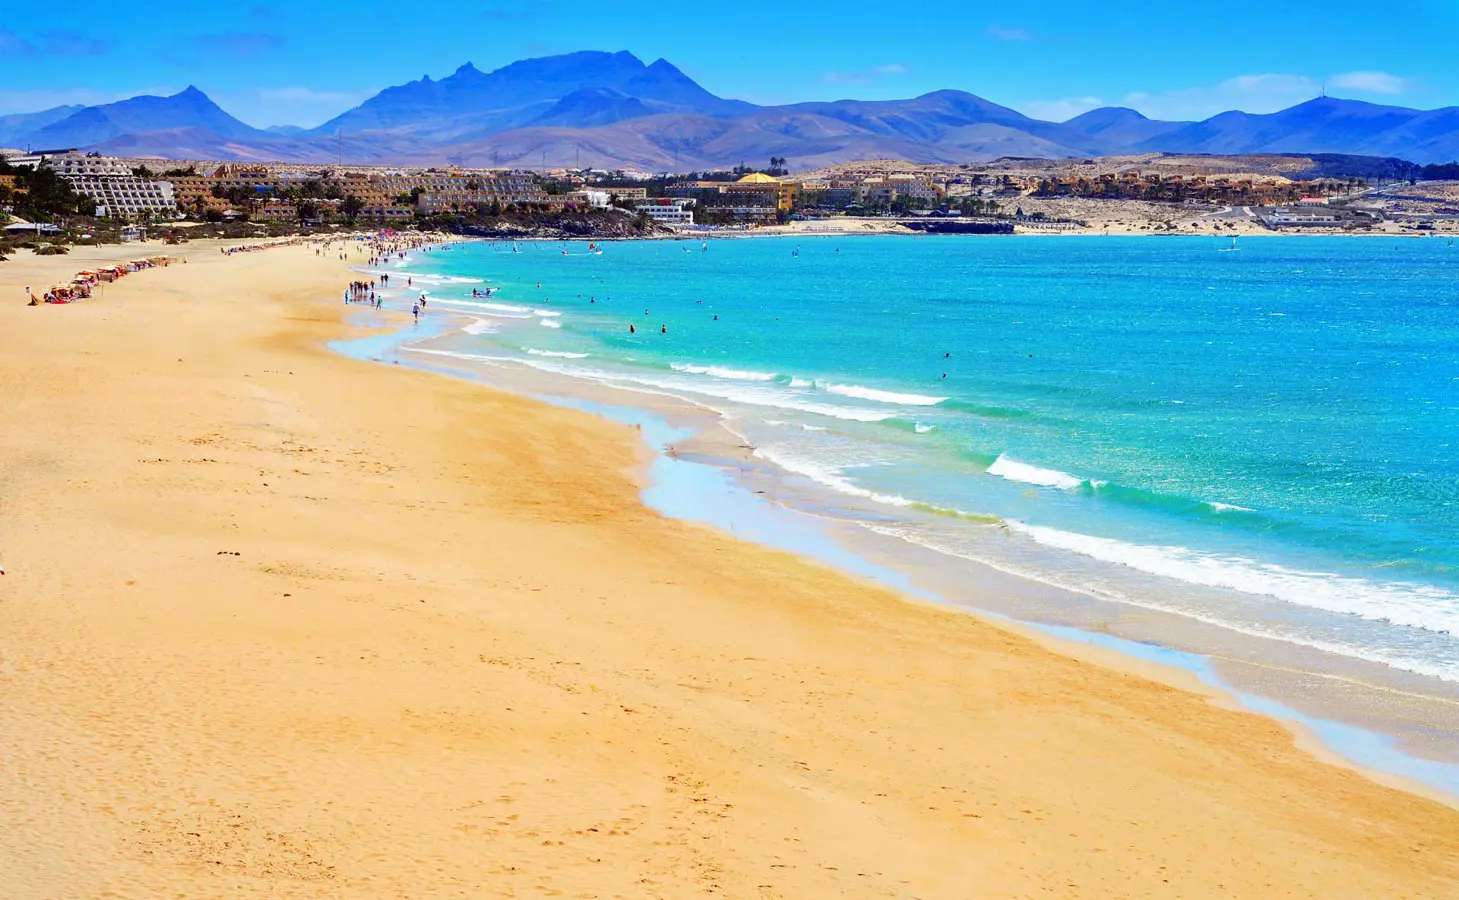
point(630, 328)
point(663, 329)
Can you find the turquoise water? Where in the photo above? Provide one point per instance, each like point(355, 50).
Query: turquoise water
point(1261, 439)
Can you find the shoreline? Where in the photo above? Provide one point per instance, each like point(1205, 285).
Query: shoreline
point(1233, 680)
point(397, 677)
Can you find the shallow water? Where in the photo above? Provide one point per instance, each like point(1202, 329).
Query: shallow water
point(1260, 439)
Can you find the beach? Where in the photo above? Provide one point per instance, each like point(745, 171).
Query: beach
point(279, 622)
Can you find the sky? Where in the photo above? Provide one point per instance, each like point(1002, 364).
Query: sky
point(271, 63)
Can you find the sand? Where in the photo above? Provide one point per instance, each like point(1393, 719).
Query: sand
point(278, 623)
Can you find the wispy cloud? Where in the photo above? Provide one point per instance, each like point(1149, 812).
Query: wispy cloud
point(864, 77)
point(60, 42)
point(1267, 92)
point(238, 44)
point(1061, 110)
point(515, 12)
point(1370, 82)
point(12, 44)
point(1001, 33)
point(52, 42)
point(1263, 93)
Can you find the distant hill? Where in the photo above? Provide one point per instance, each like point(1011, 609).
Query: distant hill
point(1119, 129)
point(14, 128)
point(610, 109)
point(190, 108)
point(1323, 125)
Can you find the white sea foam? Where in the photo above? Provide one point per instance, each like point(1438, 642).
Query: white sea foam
point(1228, 507)
point(549, 323)
point(722, 372)
point(749, 394)
point(456, 354)
point(827, 476)
point(866, 393)
point(559, 354)
point(495, 310)
point(922, 429)
point(480, 326)
point(545, 312)
point(1152, 602)
point(1414, 605)
point(1014, 470)
point(802, 383)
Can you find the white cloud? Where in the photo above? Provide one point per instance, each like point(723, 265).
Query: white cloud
point(1061, 110)
point(864, 76)
point(1263, 93)
point(998, 32)
point(1370, 82)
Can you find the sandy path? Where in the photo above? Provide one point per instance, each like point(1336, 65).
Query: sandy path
point(454, 656)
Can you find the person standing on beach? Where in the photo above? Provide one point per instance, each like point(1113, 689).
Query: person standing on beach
point(415, 311)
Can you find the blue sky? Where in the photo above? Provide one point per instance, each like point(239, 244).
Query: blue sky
point(274, 63)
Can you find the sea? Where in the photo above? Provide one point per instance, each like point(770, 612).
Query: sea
point(1259, 438)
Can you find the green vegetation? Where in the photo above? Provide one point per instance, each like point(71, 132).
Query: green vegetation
point(40, 195)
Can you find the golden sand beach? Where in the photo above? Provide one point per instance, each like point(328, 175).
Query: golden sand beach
point(280, 623)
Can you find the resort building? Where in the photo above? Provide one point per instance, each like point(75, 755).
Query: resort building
point(674, 212)
point(1305, 217)
point(622, 193)
point(127, 197)
point(73, 163)
point(888, 189)
point(755, 198)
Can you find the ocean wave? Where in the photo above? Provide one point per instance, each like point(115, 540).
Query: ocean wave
point(549, 323)
point(983, 410)
point(559, 354)
point(833, 478)
point(723, 372)
point(1400, 603)
point(495, 310)
point(456, 354)
point(879, 396)
point(1382, 656)
point(545, 312)
point(480, 326)
point(1227, 507)
point(1013, 470)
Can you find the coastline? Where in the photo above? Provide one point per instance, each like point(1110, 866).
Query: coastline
point(669, 714)
point(1358, 705)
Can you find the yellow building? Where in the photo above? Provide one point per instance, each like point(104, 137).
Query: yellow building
point(780, 194)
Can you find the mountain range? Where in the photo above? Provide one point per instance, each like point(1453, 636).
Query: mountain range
point(612, 110)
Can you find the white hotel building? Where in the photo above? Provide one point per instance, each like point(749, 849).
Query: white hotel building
point(118, 193)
